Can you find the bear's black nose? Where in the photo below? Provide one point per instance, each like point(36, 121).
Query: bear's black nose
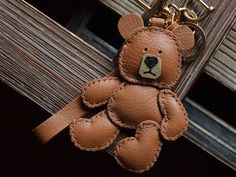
point(151, 61)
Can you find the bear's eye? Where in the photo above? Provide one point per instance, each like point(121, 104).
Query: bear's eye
point(145, 49)
point(160, 51)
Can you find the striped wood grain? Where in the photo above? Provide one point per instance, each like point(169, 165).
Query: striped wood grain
point(223, 65)
point(41, 59)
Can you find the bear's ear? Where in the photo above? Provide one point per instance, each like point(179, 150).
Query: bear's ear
point(185, 37)
point(128, 24)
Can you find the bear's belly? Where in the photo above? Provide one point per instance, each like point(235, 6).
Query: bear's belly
point(132, 104)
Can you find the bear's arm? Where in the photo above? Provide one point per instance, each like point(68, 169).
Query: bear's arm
point(175, 118)
point(97, 92)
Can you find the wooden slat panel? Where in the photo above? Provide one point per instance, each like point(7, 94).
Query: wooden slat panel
point(223, 65)
point(41, 59)
point(123, 7)
point(211, 133)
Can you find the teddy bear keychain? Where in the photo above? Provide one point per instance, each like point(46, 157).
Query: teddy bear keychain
point(138, 95)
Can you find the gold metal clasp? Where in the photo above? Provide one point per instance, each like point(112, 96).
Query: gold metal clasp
point(187, 13)
point(151, 9)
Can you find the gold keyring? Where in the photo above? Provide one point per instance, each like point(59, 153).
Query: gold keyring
point(190, 14)
point(203, 36)
point(209, 9)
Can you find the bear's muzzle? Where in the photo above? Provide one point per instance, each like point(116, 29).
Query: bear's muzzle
point(150, 66)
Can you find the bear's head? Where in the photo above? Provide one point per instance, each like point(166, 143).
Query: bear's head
point(151, 55)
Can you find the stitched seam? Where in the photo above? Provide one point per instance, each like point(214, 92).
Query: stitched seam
point(112, 115)
point(156, 154)
point(134, 80)
point(96, 148)
point(164, 122)
point(88, 85)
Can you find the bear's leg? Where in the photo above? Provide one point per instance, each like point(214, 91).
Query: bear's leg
point(93, 134)
point(139, 153)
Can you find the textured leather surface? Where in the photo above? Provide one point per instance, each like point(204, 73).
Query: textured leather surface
point(59, 121)
point(184, 36)
point(154, 41)
point(158, 22)
point(139, 153)
point(175, 118)
point(93, 134)
point(147, 105)
point(97, 92)
point(127, 24)
point(131, 104)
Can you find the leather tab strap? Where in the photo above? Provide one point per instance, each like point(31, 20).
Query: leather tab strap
point(62, 119)
point(59, 121)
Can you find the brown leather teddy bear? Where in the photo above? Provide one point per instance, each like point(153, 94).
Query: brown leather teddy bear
point(139, 96)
